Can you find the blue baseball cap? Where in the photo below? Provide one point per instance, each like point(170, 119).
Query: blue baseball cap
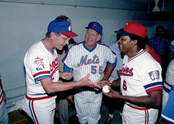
point(95, 26)
point(61, 26)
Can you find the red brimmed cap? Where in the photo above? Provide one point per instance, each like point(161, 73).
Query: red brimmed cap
point(133, 28)
point(61, 26)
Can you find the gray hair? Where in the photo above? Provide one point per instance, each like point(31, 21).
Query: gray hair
point(48, 34)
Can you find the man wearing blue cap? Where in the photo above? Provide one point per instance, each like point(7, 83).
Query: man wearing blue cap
point(91, 57)
point(42, 73)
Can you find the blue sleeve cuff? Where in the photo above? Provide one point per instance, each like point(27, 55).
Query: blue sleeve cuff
point(113, 64)
point(66, 68)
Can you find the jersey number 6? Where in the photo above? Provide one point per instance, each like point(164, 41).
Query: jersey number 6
point(124, 85)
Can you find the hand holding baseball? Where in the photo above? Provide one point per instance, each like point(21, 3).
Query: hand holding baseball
point(105, 89)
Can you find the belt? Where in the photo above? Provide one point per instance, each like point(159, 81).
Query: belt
point(38, 98)
point(134, 107)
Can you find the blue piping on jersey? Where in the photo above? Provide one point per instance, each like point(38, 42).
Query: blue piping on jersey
point(152, 85)
point(47, 47)
point(87, 48)
point(41, 77)
point(38, 94)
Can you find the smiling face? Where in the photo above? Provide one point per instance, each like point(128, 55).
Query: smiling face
point(91, 38)
point(125, 44)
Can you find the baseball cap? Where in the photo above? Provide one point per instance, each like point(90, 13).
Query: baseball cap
point(61, 26)
point(95, 26)
point(133, 28)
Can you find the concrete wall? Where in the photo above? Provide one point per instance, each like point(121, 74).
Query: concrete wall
point(24, 23)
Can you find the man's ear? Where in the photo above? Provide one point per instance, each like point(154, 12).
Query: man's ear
point(99, 37)
point(52, 35)
point(134, 42)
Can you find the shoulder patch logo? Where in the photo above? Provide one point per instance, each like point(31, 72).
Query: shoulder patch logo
point(154, 75)
point(39, 62)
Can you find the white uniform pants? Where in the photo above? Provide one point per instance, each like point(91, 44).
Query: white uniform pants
point(133, 115)
point(41, 111)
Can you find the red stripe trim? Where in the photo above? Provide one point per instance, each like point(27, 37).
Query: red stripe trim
point(39, 98)
point(43, 72)
point(3, 96)
point(145, 117)
point(143, 51)
point(34, 112)
point(138, 107)
point(154, 88)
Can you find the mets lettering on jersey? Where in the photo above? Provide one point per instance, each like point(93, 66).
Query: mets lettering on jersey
point(84, 61)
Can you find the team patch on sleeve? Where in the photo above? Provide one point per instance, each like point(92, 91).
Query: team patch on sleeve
point(154, 75)
point(40, 63)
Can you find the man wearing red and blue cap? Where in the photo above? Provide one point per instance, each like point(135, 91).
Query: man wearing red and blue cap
point(42, 73)
point(89, 56)
point(141, 81)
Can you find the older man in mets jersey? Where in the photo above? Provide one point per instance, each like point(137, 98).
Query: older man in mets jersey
point(91, 57)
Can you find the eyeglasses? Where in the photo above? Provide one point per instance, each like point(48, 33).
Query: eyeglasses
point(65, 39)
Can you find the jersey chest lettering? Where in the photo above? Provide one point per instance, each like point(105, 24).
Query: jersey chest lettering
point(85, 61)
point(54, 66)
point(126, 71)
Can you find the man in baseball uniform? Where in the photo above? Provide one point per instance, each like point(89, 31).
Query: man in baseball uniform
point(85, 57)
point(168, 94)
point(3, 111)
point(141, 82)
point(42, 73)
point(167, 113)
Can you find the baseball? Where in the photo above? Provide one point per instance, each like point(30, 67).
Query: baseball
point(105, 89)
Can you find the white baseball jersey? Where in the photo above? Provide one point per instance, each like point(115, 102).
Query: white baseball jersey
point(140, 75)
point(84, 61)
point(169, 79)
point(40, 62)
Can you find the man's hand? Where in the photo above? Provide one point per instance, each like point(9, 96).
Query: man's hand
point(70, 98)
point(104, 82)
point(66, 75)
point(112, 93)
point(85, 82)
